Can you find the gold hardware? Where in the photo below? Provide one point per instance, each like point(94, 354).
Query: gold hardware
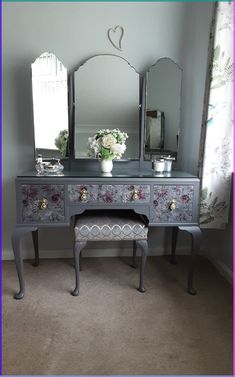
point(83, 194)
point(43, 203)
point(134, 194)
point(172, 205)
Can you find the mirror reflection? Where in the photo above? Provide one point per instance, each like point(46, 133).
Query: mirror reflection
point(106, 97)
point(163, 102)
point(50, 106)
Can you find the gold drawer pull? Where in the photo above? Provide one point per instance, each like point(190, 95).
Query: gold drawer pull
point(172, 205)
point(135, 194)
point(83, 194)
point(43, 203)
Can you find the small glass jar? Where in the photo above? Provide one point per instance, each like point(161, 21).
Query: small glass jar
point(39, 164)
point(159, 165)
point(168, 163)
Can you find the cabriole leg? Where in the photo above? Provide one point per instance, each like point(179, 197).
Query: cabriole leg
point(195, 232)
point(134, 264)
point(36, 249)
point(16, 237)
point(80, 261)
point(143, 245)
point(77, 250)
point(175, 232)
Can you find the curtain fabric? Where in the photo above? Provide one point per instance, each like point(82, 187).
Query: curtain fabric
point(216, 146)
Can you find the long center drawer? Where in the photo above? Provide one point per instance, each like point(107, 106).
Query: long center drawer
point(108, 193)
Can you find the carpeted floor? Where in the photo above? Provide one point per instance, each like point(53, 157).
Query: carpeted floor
point(111, 328)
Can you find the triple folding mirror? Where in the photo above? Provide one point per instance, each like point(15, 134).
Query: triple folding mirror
point(107, 95)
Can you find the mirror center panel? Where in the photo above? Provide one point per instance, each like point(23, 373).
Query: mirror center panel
point(106, 97)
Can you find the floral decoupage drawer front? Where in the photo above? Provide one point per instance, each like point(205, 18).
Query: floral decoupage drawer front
point(173, 204)
point(108, 193)
point(43, 203)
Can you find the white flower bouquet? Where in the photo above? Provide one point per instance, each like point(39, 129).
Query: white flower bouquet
point(107, 144)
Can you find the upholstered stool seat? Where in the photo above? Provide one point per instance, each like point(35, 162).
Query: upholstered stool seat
point(114, 225)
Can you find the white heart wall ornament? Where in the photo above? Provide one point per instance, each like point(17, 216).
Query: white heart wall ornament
point(115, 36)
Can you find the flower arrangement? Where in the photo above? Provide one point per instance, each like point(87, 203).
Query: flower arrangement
point(61, 142)
point(107, 144)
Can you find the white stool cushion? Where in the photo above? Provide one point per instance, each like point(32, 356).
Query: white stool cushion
point(109, 226)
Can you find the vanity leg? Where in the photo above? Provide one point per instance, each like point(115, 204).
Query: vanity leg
point(143, 245)
point(77, 250)
point(134, 264)
point(16, 237)
point(36, 249)
point(195, 232)
point(175, 232)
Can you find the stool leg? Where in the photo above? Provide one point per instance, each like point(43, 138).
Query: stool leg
point(143, 245)
point(80, 261)
point(77, 250)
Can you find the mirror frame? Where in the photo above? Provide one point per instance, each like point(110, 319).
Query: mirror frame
point(72, 104)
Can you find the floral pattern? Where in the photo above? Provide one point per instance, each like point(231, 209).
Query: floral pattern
point(31, 199)
point(162, 197)
point(109, 193)
point(215, 164)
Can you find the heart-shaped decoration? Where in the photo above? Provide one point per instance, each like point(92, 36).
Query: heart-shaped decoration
point(115, 36)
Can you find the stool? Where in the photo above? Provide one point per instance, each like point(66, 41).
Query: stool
point(111, 225)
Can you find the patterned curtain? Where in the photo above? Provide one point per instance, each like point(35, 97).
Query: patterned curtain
point(215, 166)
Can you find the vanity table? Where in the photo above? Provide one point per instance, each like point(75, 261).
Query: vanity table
point(168, 199)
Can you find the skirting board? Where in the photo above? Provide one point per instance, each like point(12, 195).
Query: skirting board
point(223, 269)
point(89, 252)
point(114, 252)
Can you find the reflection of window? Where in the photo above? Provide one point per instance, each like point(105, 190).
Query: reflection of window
point(49, 80)
point(154, 129)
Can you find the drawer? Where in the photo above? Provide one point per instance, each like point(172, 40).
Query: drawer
point(108, 193)
point(173, 203)
point(42, 203)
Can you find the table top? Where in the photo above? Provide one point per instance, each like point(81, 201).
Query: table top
point(96, 174)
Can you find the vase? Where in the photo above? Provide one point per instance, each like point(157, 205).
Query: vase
point(106, 166)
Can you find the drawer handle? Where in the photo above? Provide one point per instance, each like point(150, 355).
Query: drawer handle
point(172, 205)
point(135, 194)
point(43, 203)
point(83, 194)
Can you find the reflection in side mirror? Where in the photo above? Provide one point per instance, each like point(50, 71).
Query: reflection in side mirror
point(163, 104)
point(50, 106)
point(155, 125)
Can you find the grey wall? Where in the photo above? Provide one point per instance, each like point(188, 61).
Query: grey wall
point(75, 31)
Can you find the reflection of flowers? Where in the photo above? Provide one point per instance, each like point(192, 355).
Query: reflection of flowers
point(107, 144)
point(61, 142)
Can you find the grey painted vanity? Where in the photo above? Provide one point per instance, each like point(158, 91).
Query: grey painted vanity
point(51, 201)
point(168, 199)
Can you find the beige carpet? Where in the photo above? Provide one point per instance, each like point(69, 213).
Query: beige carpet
point(111, 328)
